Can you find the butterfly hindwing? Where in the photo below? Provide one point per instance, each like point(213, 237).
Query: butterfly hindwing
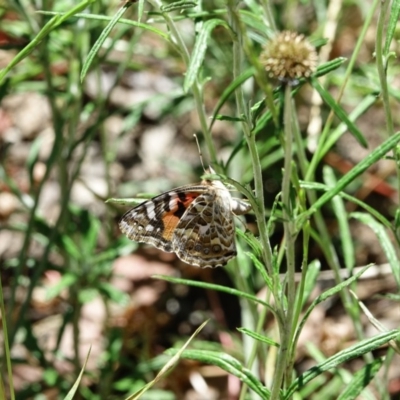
point(205, 235)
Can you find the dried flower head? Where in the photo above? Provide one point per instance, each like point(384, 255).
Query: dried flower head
point(289, 56)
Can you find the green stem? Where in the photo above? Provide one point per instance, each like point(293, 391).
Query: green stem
point(284, 354)
point(381, 63)
point(258, 208)
point(51, 161)
point(196, 88)
point(7, 353)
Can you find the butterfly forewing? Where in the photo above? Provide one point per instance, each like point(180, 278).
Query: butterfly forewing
point(155, 220)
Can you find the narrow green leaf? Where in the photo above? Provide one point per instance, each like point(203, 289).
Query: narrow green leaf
point(350, 353)
point(219, 288)
point(177, 353)
point(199, 51)
point(178, 6)
point(393, 21)
point(322, 297)
point(254, 21)
point(257, 336)
point(221, 117)
point(384, 240)
point(340, 113)
point(366, 207)
point(373, 157)
point(341, 216)
point(360, 380)
point(99, 42)
point(229, 91)
point(313, 271)
point(329, 66)
point(6, 356)
point(71, 248)
point(33, 157)
point(133, 202)
point(113, 293)
point(47, 28)
point(228, 364)
point(261, 268)
point(105, 18)
point(74, 388)
point(251, 240)
point(334, 136)
point(67, 280)
point(140, 10)
point(262, 122)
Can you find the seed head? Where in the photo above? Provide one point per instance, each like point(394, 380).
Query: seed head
point(289, 56)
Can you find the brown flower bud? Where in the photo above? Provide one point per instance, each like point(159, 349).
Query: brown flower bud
point(288, 57)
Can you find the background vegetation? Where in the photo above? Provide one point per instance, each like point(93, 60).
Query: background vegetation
point(100, 100)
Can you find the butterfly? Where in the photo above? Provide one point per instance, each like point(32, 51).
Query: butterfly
point(193, 221)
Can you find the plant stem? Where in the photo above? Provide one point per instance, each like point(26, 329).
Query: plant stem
point(196, 88)
point(259, 209)
point(289, 229)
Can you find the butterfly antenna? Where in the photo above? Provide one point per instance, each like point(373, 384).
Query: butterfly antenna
point(200, 152)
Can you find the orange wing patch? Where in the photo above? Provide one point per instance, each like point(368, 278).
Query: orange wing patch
point(171, 218)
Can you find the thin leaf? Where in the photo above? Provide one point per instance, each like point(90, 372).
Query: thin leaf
point(47, 28)
point(366, 207)
point(261, 268)
point(257, 336)
point(376, 323)
point(243, 77)
point(362, 166)
point(322, 297)
point(178, 6)
point(393, 21)
point(168, 366)
point(313, 270)
point(140, 10)
point(341, 216)
point(125, 21)
point(101, 39)
point(360, 380)
point(340, 113)
point(329, 66)
point(384, 240)
point(67, 280)
point(74, 388)
point(221, 117)
point(7, 353)
point(350, 353)
point(199, 51)
point(133, 202)
point(334, 136)
point(228, 364)
point(71, 247)
point(33, 156)
point(251, 240)
point(219, 288)
point(255, 21)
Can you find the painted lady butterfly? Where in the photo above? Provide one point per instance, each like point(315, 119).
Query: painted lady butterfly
point(193, 221)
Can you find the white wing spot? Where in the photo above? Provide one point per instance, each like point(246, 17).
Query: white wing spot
point(150, 210)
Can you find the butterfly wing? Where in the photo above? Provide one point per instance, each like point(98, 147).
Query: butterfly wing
point(155, 220)
point(205, 234)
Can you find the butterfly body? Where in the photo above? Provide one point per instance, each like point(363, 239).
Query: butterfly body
point(193, 221)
